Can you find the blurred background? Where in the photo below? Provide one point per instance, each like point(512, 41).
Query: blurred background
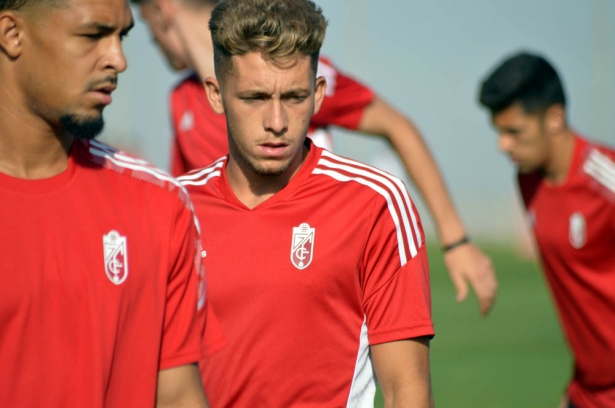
point(427, 59)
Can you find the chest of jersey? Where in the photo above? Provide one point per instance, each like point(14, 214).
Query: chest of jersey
point(305, 250)
point(575, 224)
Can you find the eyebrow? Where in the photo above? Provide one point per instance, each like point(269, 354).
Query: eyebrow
point(128, 28)
point(292, 92)
point(296, 92)
point(107, 29)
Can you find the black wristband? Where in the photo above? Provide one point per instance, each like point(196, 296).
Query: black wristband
point(455, 244)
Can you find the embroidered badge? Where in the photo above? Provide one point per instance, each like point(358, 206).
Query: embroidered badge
point(116, 257)
point(302, 251)
point(186, 123)
point(577, 230)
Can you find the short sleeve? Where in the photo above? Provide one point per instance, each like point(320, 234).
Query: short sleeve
point(395, 274)
point(345, 100)
point(186, 305)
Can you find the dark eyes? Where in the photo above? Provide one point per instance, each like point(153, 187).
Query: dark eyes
point(297, 98)
point(94, 37)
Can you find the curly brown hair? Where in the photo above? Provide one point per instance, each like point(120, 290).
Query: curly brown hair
point(278, 29)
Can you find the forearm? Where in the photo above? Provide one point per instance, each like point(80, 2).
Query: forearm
point(425, 175)
point(192, 29)
point(380, 119)
point(415, 396)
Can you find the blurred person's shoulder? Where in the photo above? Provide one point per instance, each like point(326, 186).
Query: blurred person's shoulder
point(597, 167)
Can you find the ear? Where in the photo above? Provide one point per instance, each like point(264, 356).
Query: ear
point(555, 119)
point(214, 94)
point(11, 34)
point(320, 90)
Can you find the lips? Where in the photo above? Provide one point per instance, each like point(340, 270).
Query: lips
point(273, 149)
point(103, 93)
point(105, 89)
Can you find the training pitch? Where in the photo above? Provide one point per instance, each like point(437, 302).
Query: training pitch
point(514, 358)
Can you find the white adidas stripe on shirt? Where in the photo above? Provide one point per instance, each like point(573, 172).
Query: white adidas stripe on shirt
point(192, 178)
point(121, 160)
point(405, 234)
point(400, 185)
point(601, 168)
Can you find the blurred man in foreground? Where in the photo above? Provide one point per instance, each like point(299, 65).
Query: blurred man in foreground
point(567, 183)
point(102, 301)
point(316, 263)
point(201, 137)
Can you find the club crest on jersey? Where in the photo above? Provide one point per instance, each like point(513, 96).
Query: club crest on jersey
point(302, 251)
point(577, 230)
point(116, 257)
point(186, 123)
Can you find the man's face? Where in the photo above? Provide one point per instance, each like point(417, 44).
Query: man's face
point(70, 59)
point(523, 138)
point(166, 39)
point(268, 109)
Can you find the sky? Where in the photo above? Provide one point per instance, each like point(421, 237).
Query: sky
point(427, 59)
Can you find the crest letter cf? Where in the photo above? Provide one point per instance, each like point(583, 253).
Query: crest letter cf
point(116, 257)
point(302, 250)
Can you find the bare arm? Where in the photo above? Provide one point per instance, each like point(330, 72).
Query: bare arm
point(402, 368)
point(466, 263)
point(180, 387)
point(190, 25)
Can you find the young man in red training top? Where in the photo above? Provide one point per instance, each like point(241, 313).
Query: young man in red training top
point(102, 301)
point(568, 187)
point(316, 263)
point(200, 134)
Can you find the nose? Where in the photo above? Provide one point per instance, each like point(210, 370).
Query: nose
point(276, 121)
point(115, 58)
point(504, 143)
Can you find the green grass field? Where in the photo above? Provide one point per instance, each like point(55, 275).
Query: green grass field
point(514, 358)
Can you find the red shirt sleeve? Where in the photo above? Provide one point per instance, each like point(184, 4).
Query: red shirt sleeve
point(186, 307)
point(345, 99)
point(397, 298)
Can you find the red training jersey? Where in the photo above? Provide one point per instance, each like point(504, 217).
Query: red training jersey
point(307, 280)
point(102, 283)
point(200, 134)
point(574, 225)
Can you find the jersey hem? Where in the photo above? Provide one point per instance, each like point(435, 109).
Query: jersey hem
point(214, 348)
point(187, 358)
point(421, 329)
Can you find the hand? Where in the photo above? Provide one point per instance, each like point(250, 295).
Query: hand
point(467, 264)
point(564, 402)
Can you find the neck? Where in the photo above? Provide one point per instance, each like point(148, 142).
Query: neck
point(196, 37)
point(29, 147)
point(562, 153)
point(253, 189)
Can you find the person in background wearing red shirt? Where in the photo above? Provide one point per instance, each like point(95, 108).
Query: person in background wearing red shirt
point(567, 183)
point(200, 135)
point(102, 301)
point(316, 264)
